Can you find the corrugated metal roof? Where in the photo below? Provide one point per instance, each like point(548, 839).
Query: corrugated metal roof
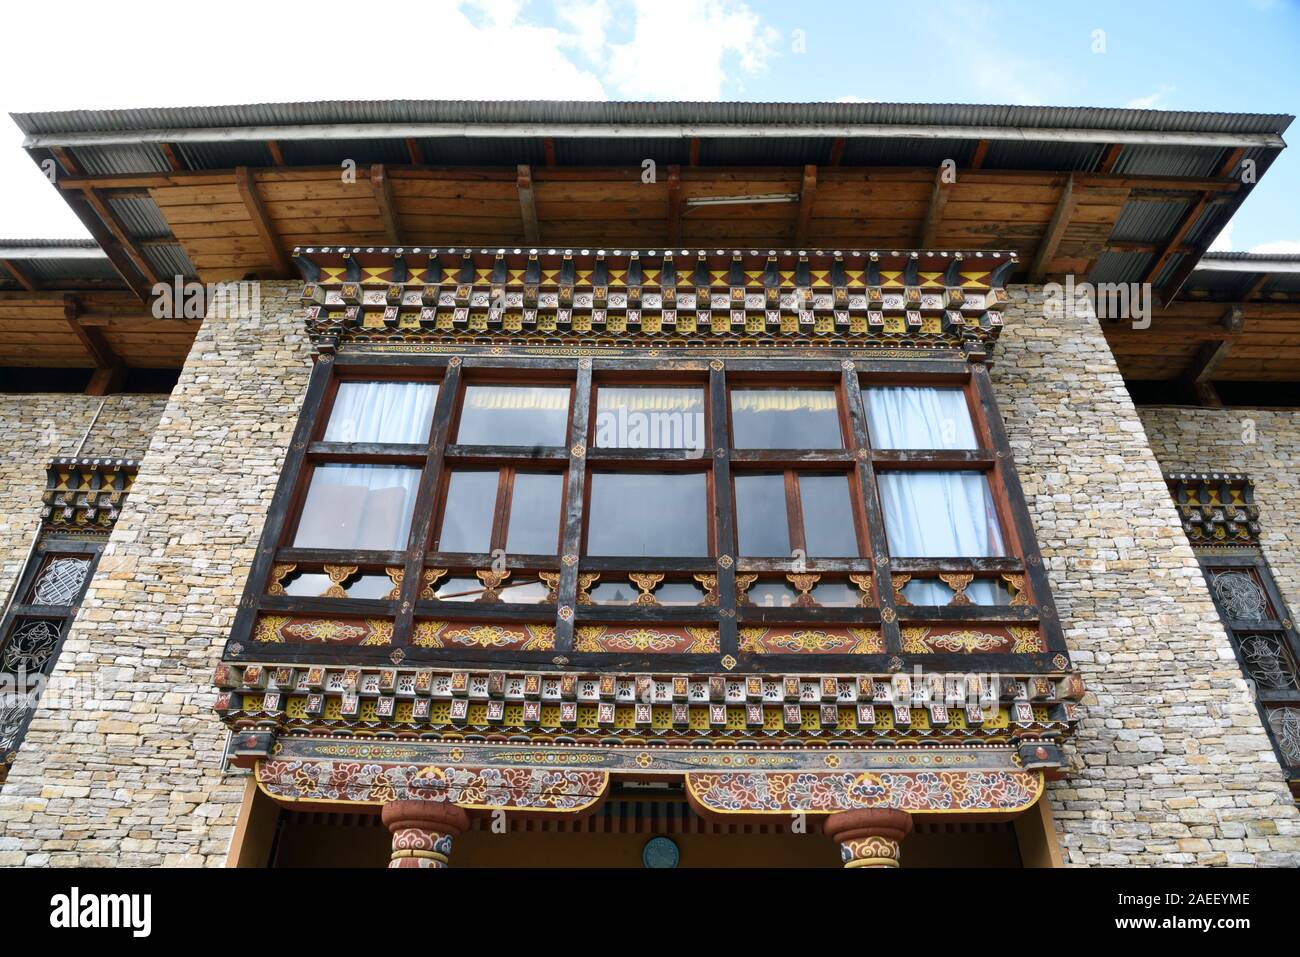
point(45, 270)
point(1148, 222)
point(1208, 260)
point(1120, 267)
point(1168, 161)
point(169, 260)
point(565, 111)
point(141, 217)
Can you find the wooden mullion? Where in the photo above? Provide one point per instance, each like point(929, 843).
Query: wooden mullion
point(501, 513)
point(285, 493)
point(794, 514)
point(573, 518)
point(724, 512)
point(866, 475)
point(1008, 480)
point(426, 506)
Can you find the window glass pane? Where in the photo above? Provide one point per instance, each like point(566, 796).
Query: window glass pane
point(761, 527)
point(648, 514)
point(467, 515)
point(459, 589)
point(940, 515)
point(771, 594)
point(679, 593)
point(987, 591)
point(649, 417)
point(827, 516)
point(927, 591)
point(535, 514)
point(358, 506)
point(904, 417)
point(785, 419)
point(614, 593)
point(393, 412)
point(837, 595)
point(525, 593)
point(514, 415)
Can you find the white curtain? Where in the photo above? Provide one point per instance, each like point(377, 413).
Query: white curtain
point(391, 412)
point(907, 417)
point(358, 507)
point(939, 515)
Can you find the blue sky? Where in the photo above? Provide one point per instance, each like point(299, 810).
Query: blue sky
point(1237, 57)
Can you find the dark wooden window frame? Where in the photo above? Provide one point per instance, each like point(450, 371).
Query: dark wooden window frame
point(857, 460)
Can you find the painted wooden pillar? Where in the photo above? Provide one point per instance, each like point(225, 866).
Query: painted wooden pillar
point(423, 831)
point(869, 838)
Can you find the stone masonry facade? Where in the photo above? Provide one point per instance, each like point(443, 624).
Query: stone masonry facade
point(1262, 443)
point(1170, 767)
point(134, 778)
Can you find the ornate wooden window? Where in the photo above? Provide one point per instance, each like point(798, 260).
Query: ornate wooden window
point(653, 502)
point(82, 500)
point(1222, 523)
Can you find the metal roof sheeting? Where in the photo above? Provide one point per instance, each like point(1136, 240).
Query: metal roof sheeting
point(612, 112)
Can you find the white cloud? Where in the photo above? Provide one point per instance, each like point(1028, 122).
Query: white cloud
point(1223, 242)
point(588, 24)
point(684, 49)
point(1151, 101)
point(1281, 247)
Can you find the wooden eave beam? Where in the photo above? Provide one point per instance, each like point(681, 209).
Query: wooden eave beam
point(173, 157)
point(1254, 288)
point(413, 151)
point(548, 151)
point(1056, 227)
point(695, 151)
point(1227, 173)
point(20, 275)
point(277, 154)
point(261, 221)
point(939, 194)
point(837, 151)
point(977, 157)
point(124, 239)
point(383, 193)
point(1180, 234)
point(807, 196)
point(1110, 157)
point(528, 203)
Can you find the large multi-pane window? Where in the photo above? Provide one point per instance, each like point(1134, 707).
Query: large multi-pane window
point(434, 491)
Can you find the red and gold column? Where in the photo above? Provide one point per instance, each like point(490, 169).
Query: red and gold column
point(423, 831)
point(869, 838)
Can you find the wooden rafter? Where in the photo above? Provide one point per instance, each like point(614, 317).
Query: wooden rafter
point(1256, 286)
point(939, 194)
point(1225, 173)
point(277, 154)
point(119, 232)
point(383, 193)
point(20, 275)
point(807, 196)
point(1184, 227)
point(123, 263)
point(1110, 157)
point(977, 157)
point(695, 151)
point(1056, 227)
point(528, 203)
point(413, 151)
point(173, 157)
point(261, 221)
point(837, 151)
point(548, 151)
point(674, 204)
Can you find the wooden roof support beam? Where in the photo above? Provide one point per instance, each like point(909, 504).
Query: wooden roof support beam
point(20, 275)
point(695, 151)
point(261, 221)
point(807, 196)
point(413, 151)
point(939, 194)
point(69, 163)
point(277, 154)
point(1110, 157)
point(383, 192)
point(1211, 354)
point(528, 203)
point(548, 151)
point(124, 264)
point(977, 158)
point(119, 232)
point(1180, 234)
point(1227, 173)
point(110, 370)
point(837, 151)
point(1056, 227)
point(173, 157)
point(674, 205)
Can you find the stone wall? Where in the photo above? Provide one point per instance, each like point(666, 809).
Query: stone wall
point(1171, 764)
point(1265, 445)
point(133, 777)
point(37, 428)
